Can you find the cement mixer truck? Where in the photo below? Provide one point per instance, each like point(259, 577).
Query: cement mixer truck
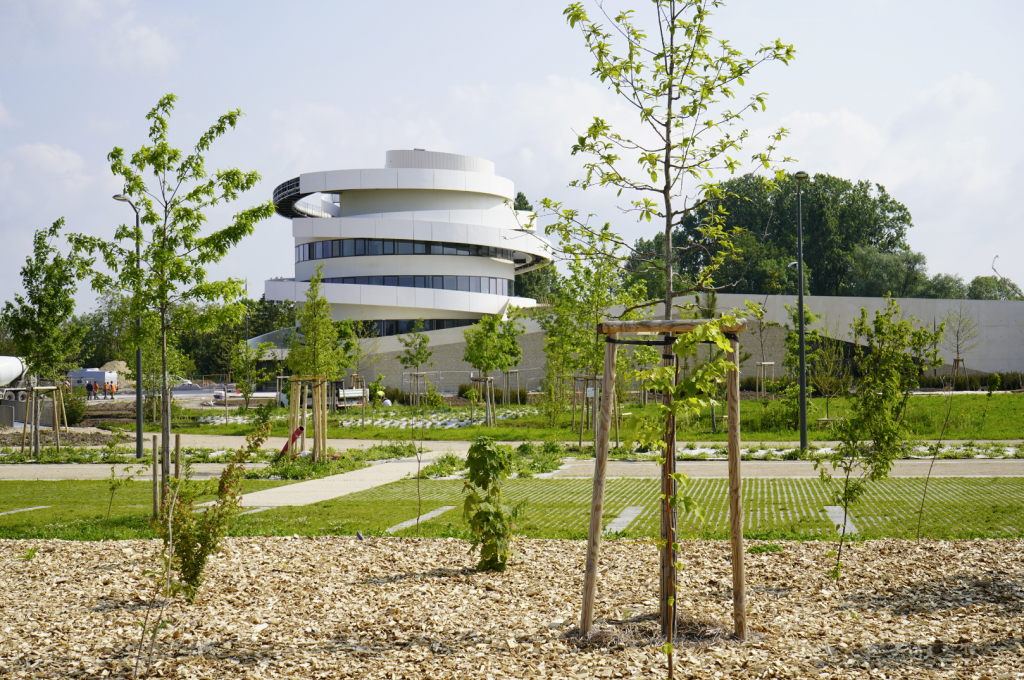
point(13, 379)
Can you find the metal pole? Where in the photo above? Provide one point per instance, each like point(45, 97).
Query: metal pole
point(800, 177)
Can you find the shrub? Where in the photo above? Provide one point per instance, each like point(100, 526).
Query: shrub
point(445, 466)
point(190, 537)
point(74, 409)
point(748, 384)
point(490, 519)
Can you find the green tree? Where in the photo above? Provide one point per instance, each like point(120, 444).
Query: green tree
point(416, 352)
point(873, 273)
point(153, 350)
point(106, 330)
point(483, 350)
point(171, 279)
point(890, 352)
point(828, 371)
point(245, 364)
point(39, 321)
point(316, 349)
point(678, 84)
point(992, 288)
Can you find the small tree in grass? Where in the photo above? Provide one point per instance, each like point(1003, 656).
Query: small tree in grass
point(315, 348)
point(827, 368)
point(245, 363)
point(39, 322)
point(962, 334)
point(417, 353)
point(491, 344)
point(890, 353)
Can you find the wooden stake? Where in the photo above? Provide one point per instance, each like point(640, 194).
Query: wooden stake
point(739, 592)
point(302, 416)
point(597, 499)
point(55, 421)
point(156, 465)
point(668, 514)
point(177, 456)
point(24, 420)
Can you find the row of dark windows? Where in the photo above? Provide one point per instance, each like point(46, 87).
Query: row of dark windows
point(354, 247)
point(403, 326)
point(469, 284)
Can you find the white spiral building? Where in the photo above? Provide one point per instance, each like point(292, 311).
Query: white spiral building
point(430, 236)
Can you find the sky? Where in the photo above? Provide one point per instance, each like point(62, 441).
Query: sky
point(920, 97)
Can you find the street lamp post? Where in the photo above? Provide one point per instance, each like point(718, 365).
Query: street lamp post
point(800, 177)
point(138, 324)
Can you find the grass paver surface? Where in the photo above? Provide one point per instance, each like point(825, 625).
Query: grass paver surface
point(773, 508)
point(957, 507)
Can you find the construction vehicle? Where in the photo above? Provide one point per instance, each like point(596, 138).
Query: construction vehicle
point(14, 379)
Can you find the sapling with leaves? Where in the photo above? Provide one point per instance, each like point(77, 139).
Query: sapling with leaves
point(245, 363)
point(828, 371)
point(490, 518)
point(416, 354)
point(169, 280)
point(890, 352)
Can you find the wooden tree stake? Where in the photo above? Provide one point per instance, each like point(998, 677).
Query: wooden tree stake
point(739, 592)
point(597, 500)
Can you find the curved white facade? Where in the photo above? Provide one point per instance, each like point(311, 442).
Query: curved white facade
point(430, 236)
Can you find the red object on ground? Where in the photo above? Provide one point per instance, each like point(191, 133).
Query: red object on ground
point(295, 435)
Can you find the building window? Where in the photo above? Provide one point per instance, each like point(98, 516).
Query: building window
point(470, 284)
point(355, 247)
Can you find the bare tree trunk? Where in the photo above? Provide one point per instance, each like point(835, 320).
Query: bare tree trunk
point(165, 405)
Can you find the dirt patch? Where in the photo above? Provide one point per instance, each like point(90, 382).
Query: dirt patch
point(74, 437)
point(335, 607)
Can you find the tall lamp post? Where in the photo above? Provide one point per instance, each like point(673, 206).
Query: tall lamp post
point(800, 177)
point(138, 324)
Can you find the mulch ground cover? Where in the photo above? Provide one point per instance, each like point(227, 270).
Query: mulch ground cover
point(336, 607)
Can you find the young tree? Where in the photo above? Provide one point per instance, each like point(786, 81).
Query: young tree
point(483, 351)
point(417, 352)
point(245, 363)
point(171, 273)
point(39, 322)
point(593, 288)
point(890, 353)
point(153, 352)
point(962, 334)
point(316, 348)
point(827, 368)
point(676, 79)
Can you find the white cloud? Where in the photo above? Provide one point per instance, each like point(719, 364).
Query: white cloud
point(134, 46)
point(955, 174)
point(59, 31)
point(5, 116)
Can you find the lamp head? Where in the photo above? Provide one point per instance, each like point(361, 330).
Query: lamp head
point(122, 198)
point(791, 265)
point(801, 175)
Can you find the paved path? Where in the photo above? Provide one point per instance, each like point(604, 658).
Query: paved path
point(796, 468)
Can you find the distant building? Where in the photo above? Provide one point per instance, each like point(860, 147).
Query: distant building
point(430, 236)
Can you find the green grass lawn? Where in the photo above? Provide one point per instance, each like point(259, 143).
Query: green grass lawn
point(973, 417)
point(556, 508)
point(77, 508)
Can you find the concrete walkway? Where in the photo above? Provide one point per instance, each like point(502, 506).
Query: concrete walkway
point(794, 468)
point(316, 490)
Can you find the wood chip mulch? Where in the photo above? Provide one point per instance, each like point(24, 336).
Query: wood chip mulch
point(415, 608)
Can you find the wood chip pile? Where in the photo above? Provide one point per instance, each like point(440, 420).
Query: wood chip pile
point(414, 608)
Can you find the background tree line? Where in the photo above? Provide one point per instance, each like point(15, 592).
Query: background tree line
point(854, 244)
